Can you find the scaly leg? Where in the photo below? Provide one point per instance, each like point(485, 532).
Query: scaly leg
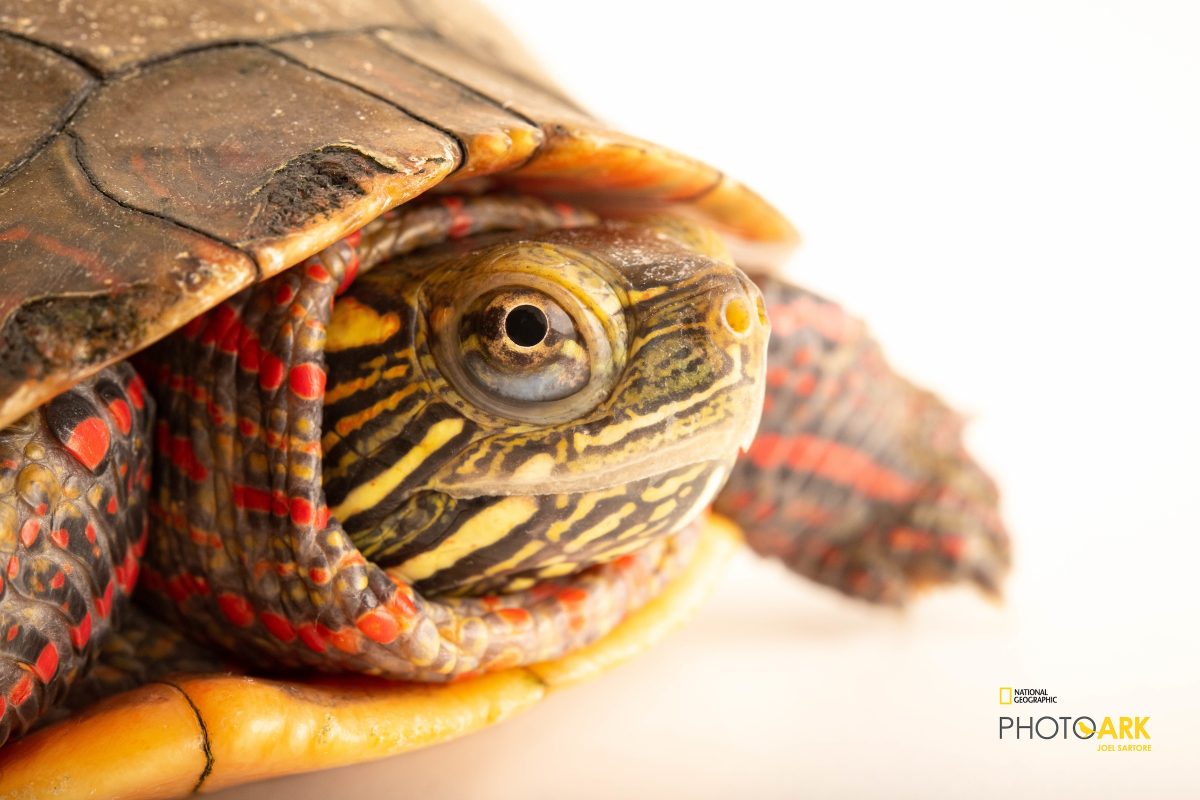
point(858, 479)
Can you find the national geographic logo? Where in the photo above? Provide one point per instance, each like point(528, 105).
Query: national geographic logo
point(1081, 727)
point(1009, 695)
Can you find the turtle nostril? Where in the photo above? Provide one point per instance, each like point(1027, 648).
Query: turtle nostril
point(762, 312)
point(737, 315)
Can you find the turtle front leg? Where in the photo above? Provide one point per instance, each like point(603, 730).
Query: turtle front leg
point(73, 479)
point(857, 478)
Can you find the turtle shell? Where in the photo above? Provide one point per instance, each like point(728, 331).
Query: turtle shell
point(162, 155)
point(159, 156)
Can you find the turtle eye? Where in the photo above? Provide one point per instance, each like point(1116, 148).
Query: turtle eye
point(521, 346)
point(524, 332)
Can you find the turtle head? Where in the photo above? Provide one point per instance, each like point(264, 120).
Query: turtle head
point(511, 408)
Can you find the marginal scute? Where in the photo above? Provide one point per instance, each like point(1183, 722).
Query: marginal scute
point(475, 32)
point(85, 281)
point(495, 139)
point(38, 89)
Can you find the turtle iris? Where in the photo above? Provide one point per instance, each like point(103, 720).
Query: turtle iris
point(520, 345)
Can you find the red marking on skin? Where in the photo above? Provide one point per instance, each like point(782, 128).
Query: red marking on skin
point(58, 580)
point(251, 498)
point(13, 631)
point(104, 602)
point(47, 663)
point(311, 637)
point(831, 460)
point(41, 509)
point(9, 463)
point(193, 328)
point(514, 616)
point(572, 594)
point(270, 372)
point(131, 573)
point(17, 234)
point(402, 606)
point(301, 511)
point(21, 690)
point(319, 575)
point(176, 588)
point(236, 609)
point(858, 581)
point(250, 355)
point(3, 707)
point(806, 382)
point(180, 587)
point(777, 376)
point(14, 567)
point(183, 456)
point(351, 271)
point(307, 381)
point(318, 272)
point(625, 562)
point(491, 602)
point(215, 413)
point(284, 294)
point(89, 442)
point(345, 639)
point(566, 213)
point(952, 547)
point(806, 512)
point(219, 323)
point(279, 627)
point(111, 508)
point(353, 239)
point(910, 539)
point(805, 313)
point(460, 223)
point(322, 520)
point(29, 531)
point(378, 626)
point(232, 338)
point(90, 533)
point(738, 501)
point(279, 503)
point(82, 632)
point(247, 427)
point(120, 412)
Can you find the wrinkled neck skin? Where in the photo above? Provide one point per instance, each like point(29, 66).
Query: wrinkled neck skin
point(514, 407)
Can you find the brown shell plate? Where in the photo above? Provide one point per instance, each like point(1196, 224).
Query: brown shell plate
point(158, 156)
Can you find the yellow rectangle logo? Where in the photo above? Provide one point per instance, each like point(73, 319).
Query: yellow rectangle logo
point(1005, 695)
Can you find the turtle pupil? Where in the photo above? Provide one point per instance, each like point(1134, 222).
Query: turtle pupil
point(526, 326)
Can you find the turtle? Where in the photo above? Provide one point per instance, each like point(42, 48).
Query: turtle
point(358, 388)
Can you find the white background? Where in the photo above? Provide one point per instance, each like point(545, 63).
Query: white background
point(1010, 193)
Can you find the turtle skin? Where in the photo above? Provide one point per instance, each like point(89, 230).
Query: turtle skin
point(154, 175)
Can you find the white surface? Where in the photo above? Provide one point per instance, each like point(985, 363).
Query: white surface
point(1010, 193)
